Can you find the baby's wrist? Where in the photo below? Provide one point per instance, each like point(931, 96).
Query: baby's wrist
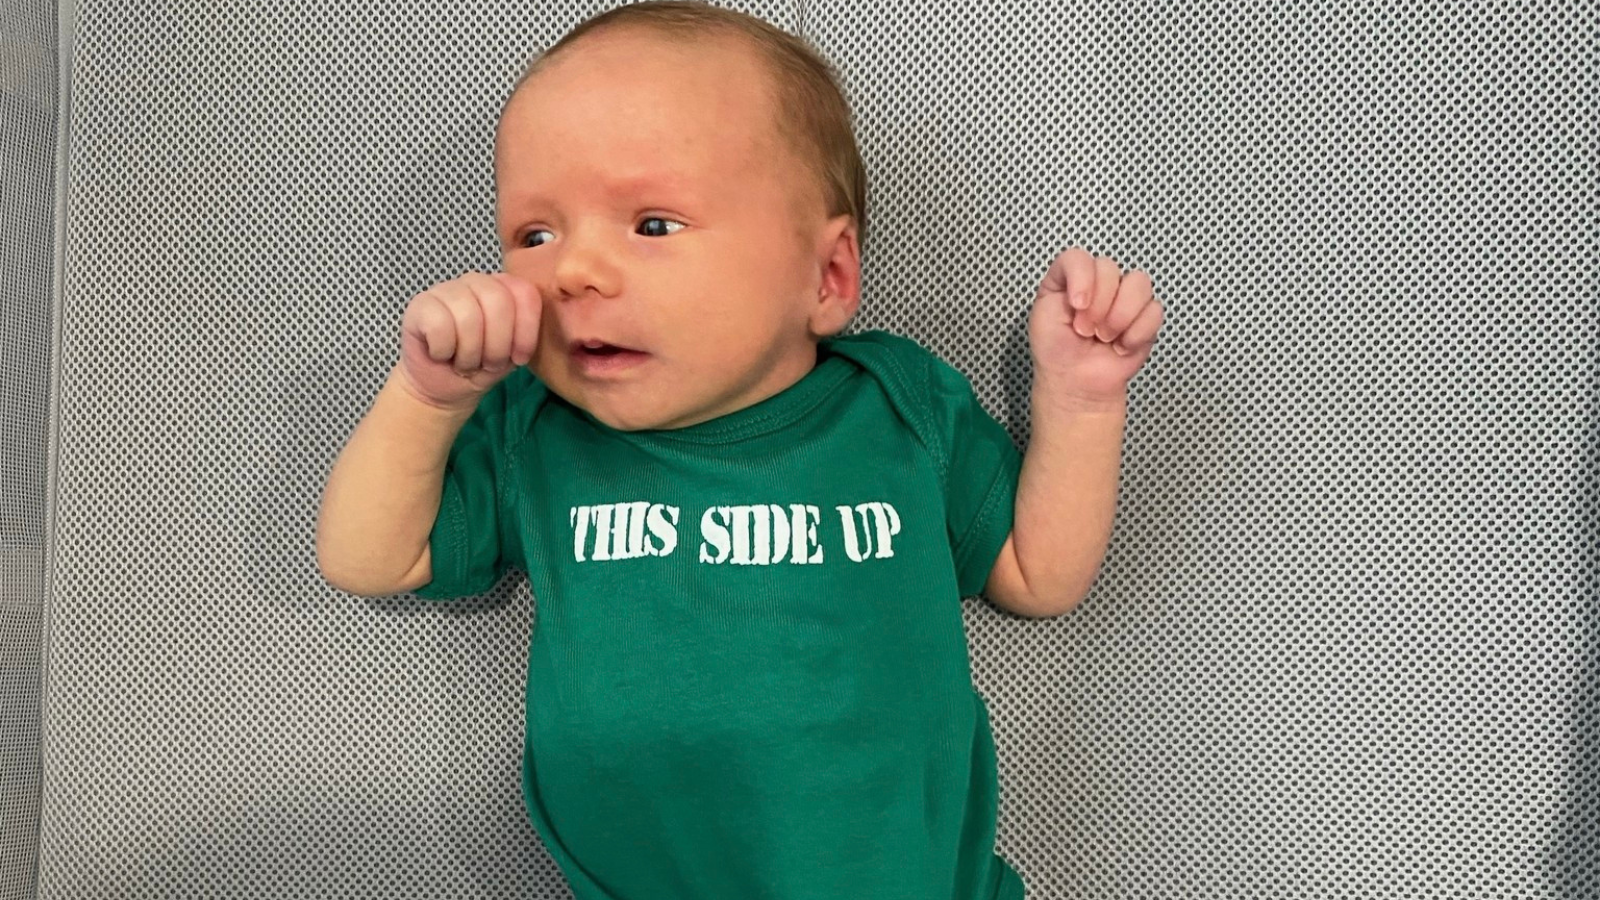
point(400, 385)
point(1054, 399)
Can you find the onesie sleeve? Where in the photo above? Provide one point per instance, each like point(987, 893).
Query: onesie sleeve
point(980, 479)
point(466, 546)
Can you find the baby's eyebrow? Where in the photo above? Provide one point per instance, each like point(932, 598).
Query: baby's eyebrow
point(513, 203)
point(631, 184)
point(624, 188)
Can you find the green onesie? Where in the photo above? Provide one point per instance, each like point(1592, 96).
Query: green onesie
point(748, 677)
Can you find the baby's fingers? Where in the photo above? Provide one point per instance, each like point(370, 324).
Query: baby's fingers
point(428, 319)
point(1132, 296)
point(467, 319)
point(1071, 275)
point(1141, 333)
point(1108, 275)
point(526, 309)
point(498, 318)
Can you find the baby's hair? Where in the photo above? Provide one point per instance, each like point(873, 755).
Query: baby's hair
point(815, 116)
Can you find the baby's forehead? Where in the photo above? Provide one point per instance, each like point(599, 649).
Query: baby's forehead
point(675, 61)
point(753, 119)
point(651, 172)
point(629, 94)
point(628, 102)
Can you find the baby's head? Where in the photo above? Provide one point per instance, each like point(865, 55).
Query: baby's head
point(681, 184)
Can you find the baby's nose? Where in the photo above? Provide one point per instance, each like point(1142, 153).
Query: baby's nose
point(586, 266)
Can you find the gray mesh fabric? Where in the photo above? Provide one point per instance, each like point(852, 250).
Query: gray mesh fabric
point(1347, 639)
point(27, 251)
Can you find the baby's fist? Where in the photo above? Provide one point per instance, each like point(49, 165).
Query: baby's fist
point(1091, 328)
point(459, 337)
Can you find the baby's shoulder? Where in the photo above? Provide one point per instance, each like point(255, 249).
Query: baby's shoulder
point(928, 395)
point(906, 367)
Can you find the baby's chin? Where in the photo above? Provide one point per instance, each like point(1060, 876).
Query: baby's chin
point(608, 414)
point(622, 422)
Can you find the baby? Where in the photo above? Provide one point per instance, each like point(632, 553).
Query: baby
point(747, 536)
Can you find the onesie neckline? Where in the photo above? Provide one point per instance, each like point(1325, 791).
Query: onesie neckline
point(769, 415)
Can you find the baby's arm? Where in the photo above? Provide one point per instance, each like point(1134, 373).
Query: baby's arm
point(458, 338)
point(1090, 331)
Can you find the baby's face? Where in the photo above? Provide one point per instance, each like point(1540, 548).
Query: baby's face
point(675, 240)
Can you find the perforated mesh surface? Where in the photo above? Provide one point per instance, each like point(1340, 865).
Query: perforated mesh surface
point(1346, 642)
point(27, 252)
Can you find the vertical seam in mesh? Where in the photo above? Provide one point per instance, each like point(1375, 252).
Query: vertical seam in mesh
point(66, 17)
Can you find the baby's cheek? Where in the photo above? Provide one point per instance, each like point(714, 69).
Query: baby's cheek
point(517, 264)
point(550, 355)
point(527, 266)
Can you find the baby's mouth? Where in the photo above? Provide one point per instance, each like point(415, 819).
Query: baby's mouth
point(599, 348)
point(598, 357)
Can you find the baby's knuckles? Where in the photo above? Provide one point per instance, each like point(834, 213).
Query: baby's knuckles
point(1083, 374)
point(473, 318)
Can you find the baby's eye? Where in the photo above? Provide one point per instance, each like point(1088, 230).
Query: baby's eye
point(531, 239)
point(655, 226)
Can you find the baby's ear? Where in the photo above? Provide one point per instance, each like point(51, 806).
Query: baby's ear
point(839, 292)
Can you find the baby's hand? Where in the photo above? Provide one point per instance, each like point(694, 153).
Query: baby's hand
point(1091, 329)
point(459, 337)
